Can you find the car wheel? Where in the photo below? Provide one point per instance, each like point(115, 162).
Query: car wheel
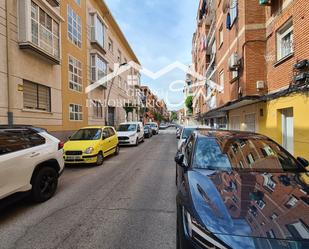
point(117, 150)
point(44, 184)
point(100, 159)
point(143, 140)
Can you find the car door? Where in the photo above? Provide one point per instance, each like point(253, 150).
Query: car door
point(113, 138)
point(19, 154)
point(106, 146)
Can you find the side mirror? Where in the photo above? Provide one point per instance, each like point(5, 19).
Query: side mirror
point(303, 161)
point(179, 159)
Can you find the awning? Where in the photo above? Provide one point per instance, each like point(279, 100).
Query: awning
point(222, 110)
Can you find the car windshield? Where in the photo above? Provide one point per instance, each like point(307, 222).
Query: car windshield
point(87, 134)
point(248, 154)
point(127, 127)
point(153, 126)
point(147, 127)
point(187, 132)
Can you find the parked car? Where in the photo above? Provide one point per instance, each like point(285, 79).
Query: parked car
point(178, 132)
point(147, 131)
point(163, 126)
point(90, 145)
point(130, 133)
point(240, 190)
point(155, 128)
point(184, 134)
point(31, 161)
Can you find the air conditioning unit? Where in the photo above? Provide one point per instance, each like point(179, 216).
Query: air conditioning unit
point(260, 85)
point(234, 62)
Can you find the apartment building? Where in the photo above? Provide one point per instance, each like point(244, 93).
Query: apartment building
point(53, 50)
point(30, 71)
point(256, 68)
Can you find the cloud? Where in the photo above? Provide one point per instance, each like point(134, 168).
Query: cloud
point(160, 33)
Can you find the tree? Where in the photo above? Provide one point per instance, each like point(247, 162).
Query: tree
point(128, 108)
point(157, 116)
point(174, 116)
point(189, 103)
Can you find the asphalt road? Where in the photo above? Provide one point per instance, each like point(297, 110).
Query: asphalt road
point(129, 202)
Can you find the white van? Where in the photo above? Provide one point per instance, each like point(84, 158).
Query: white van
point(130, 133)
point(155, 128)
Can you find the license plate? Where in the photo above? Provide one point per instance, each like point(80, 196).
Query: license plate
point(73, 157)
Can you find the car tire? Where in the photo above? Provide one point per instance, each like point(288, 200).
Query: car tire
point(136, 142)
point(100, 159)
point(117, 150)
point(44, 184)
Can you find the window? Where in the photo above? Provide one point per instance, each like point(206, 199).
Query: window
point(76, 112)
point(16, 140)
point(36, 96)
point(285, 40)
point(221, 36)
point(291, 202)
point(98, 67)
point(110, 45)
point(233, 11)
point(261, 204)
point(44, 31)
point(119, 56)
point(74, 27)
point(77, 1)
point(111, 132)
point(299, 230)
point(75, 74)
point(250, 159)
point(98, 109)
point(97, 30)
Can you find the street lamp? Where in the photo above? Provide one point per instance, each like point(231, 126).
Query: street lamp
point(109, 92)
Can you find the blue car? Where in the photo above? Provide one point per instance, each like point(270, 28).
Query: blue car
point(240, 190)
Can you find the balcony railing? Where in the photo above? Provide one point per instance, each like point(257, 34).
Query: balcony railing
point(54, 3)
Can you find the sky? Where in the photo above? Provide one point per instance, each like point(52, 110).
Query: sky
point(160, 33)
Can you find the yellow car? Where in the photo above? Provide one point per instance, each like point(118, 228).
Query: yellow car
point(91, 145)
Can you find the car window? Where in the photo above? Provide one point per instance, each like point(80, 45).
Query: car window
point(127, 127)
point(245, 154)
point(16, 140)
point(87, 134)
point(111, 131)
point(189, 149)
point(187, 132)
point(106, 133)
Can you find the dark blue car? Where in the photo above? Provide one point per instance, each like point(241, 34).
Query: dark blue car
point(240, 190)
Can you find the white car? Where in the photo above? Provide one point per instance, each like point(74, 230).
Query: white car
point(155, 128)
point(31, 160)
point(130, 133)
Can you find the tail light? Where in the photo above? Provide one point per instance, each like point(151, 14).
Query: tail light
point(60, 145)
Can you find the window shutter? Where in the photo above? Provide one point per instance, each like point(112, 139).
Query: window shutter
point(30, 95)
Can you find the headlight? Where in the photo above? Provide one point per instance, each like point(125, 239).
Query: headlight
point(89, 150)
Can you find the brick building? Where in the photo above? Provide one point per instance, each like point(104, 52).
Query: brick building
point(252, 48)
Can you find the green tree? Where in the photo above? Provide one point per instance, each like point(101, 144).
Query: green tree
point(128, 108)
point(174, 116)
point(189, 103)
point(158, 116)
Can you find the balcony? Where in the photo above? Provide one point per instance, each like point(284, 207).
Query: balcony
point(39, 35)
point(97, 32)
point(54, 3)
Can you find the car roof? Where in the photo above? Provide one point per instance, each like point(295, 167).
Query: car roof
point(22, 127)
point(95, 127)
point(131, 123)
point(223, 134)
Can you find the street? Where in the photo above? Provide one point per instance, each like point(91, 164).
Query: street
point(128, 202)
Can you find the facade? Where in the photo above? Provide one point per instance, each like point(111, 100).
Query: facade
point(30, 44)
point(255, 47)
point(153, 106)
point(53, 50)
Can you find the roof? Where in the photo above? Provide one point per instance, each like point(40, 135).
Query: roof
point(119, 32)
